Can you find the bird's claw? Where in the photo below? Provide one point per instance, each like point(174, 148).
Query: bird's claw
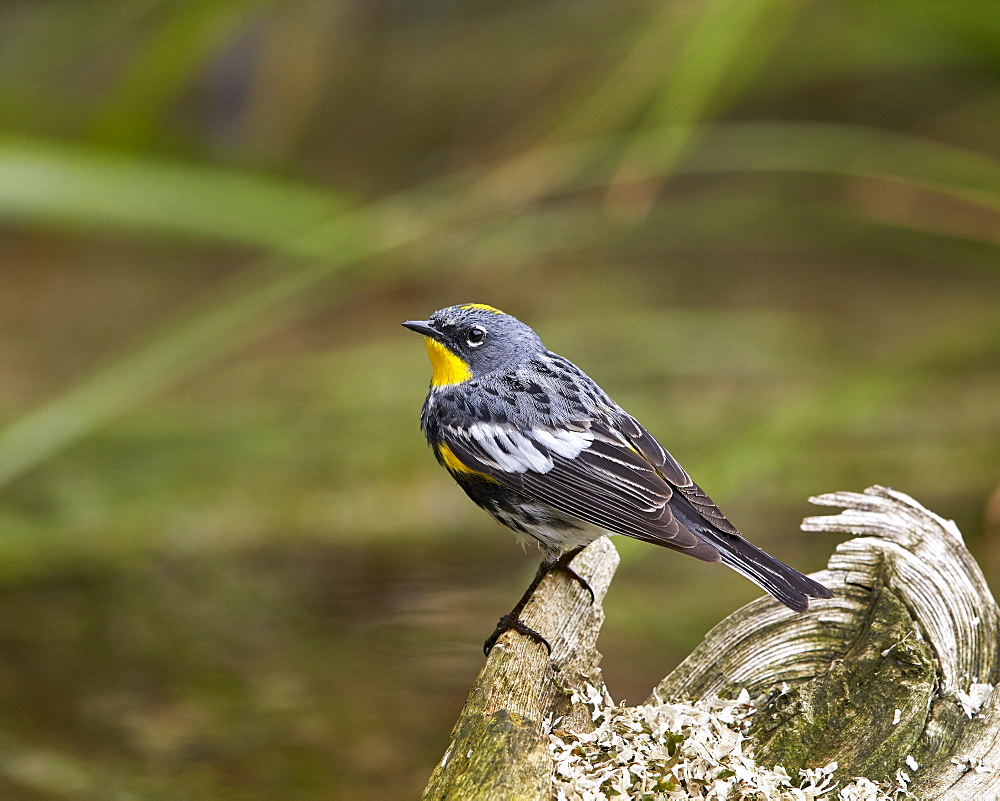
point(579, 580)
point(564, 562)
point(511, 622)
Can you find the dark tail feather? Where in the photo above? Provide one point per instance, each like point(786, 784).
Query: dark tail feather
point(785, 583)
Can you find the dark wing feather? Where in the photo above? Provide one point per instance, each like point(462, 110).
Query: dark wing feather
point(607, 483)
point(697, 512)
point(667, 466)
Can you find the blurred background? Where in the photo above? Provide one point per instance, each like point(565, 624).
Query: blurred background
point(229, 566)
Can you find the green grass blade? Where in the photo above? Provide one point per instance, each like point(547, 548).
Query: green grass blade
point(852, 151)
point(65, 185)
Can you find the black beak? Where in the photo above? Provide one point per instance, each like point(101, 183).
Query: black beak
point(425, 327)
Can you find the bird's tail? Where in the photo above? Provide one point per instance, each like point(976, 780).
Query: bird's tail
point(785, 583)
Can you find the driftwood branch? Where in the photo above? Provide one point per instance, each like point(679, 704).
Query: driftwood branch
point(499, 747)
point(895, 671)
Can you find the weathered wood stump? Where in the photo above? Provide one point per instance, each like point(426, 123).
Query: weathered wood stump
point(895, 671)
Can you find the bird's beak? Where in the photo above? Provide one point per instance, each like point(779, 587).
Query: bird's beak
point(425, 327)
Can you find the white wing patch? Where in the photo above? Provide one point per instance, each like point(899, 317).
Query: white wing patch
point(567, 444)
point(514, 451)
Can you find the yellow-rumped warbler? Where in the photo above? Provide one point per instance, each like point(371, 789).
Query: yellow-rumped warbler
point(539, 445)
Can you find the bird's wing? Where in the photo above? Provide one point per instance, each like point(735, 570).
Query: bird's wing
point(697, 512)
point(666, 465)
point(592, 471)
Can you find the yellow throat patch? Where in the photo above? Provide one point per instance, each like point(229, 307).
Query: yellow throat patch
point(448, 368)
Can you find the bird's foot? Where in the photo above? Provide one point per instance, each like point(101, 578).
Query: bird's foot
point(563, 563)
point(513, 622)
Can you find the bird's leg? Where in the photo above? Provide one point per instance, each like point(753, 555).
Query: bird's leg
point(512, 620)
point(563, 563)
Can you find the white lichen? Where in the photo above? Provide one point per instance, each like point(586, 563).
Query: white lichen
point(672, 751)
point(973, 700)
point(969, 762)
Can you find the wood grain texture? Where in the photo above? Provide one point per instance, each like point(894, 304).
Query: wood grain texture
point(897, 669)
point(499, 747)
point(912, 627)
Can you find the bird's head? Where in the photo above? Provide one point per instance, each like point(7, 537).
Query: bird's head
point(471, 339)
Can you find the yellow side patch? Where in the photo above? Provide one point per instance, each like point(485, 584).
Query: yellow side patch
point(482, 307)
point(451, 461)
point(448, 368)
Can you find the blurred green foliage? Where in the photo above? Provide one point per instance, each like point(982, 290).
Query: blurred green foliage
point(230, 569)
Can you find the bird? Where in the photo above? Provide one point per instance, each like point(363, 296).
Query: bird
point(535, 442)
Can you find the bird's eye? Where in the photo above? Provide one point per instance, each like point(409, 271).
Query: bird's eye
point(475, 336)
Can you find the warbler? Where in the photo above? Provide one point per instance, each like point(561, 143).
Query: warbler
point(534, 441)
